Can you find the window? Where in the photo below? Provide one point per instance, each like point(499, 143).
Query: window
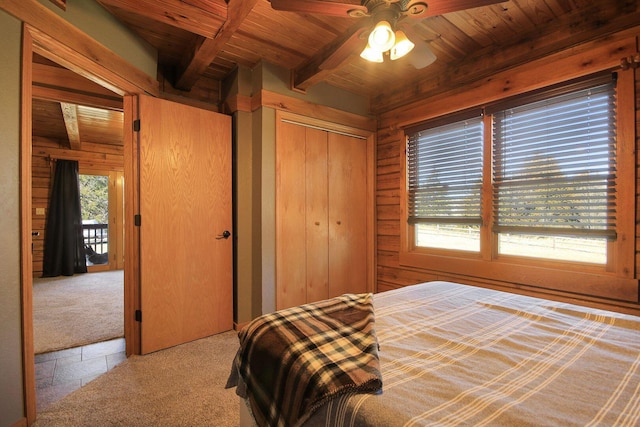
point(554, 164)
point(552, 181)
point(445, 184)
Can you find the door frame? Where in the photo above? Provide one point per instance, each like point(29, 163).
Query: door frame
point(45, 33)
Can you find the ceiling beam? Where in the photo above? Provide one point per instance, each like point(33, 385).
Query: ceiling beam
point(204, 50)
point(60, 95)
point(176, 13)
point(61, 85)
point(70, 115)
point(330, 57)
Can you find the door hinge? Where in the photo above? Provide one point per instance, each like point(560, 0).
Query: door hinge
point(138, 315)
point(137, 220)
point(136, 125)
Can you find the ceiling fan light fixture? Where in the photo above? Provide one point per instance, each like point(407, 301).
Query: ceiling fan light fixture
point(382, 37)
point(402, 45)
point(372, 55)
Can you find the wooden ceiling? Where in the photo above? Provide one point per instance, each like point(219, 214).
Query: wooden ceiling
point(209, 38)
point(200, 42)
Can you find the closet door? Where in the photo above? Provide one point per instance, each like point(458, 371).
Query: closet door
point(347, 196)
point(291, 227)
point(316, 209)
point(323, 214)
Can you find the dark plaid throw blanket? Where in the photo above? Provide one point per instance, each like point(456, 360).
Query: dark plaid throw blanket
point(292, 361)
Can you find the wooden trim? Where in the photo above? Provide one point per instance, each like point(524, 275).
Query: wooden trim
point(78, 52)
point(487, 244)
point(58, 40)
point(132, 233)
point(372, 217)
point(28, 355)
point(236, 103)
point(286, 103)
point(513, 270)
point(624, 262)
point(20, 423)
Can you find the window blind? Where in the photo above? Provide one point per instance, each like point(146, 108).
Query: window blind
point(554, 165)
point(444, 166)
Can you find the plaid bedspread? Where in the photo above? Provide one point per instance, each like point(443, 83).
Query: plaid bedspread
point(292, 361)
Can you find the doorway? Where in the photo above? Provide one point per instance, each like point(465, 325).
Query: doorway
point(78, 321)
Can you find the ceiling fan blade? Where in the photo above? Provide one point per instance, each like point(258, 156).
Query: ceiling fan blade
point(421, 56)
point(329, 8)
point(440, 7)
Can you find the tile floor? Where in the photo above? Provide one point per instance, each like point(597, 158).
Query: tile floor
point(60, 372)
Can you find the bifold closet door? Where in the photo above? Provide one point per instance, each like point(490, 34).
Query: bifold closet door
point(291, 258)
point(347, 203)
point(321, 214)
point(316, 209)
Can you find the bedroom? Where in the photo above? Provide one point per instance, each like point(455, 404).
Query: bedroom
point(576, 54)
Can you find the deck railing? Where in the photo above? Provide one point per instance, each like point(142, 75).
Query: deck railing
point(96, 236)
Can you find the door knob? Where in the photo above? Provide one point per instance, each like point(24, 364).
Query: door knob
point(225, 235)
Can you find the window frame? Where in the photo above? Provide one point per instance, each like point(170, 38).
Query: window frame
point(614, 280)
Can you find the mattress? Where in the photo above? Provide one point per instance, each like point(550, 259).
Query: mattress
point(452, 354)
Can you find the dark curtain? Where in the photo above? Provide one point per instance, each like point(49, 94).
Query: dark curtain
point(64, 242)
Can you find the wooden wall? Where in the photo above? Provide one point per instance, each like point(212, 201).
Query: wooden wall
point(390, 273)
point(105, 157)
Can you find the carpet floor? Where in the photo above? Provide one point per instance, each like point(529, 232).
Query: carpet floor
point(77, 310)
point(180, 386)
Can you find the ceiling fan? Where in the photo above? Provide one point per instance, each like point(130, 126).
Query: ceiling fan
point(385, 29)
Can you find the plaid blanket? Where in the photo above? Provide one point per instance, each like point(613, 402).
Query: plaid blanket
point(292, 361)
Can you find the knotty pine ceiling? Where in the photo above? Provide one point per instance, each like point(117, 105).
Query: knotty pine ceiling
point(200, 42)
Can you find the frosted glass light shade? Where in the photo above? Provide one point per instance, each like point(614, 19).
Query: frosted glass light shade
point(371, 54)
point(382, 37)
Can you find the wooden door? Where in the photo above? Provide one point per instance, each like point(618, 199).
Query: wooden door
point(186, 271)
point(347, 196)
point(317, 219)
point(290, 216)
point(323, 214)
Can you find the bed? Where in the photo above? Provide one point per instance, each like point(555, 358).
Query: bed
point(451, 354)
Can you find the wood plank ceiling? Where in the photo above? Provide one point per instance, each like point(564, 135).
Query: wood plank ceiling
point(200, 42)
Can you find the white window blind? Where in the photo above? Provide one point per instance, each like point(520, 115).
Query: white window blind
point(554, 166)
point(444, 165)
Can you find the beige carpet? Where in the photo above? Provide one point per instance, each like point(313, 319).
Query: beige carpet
point(77, 310)
point(180, 386)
